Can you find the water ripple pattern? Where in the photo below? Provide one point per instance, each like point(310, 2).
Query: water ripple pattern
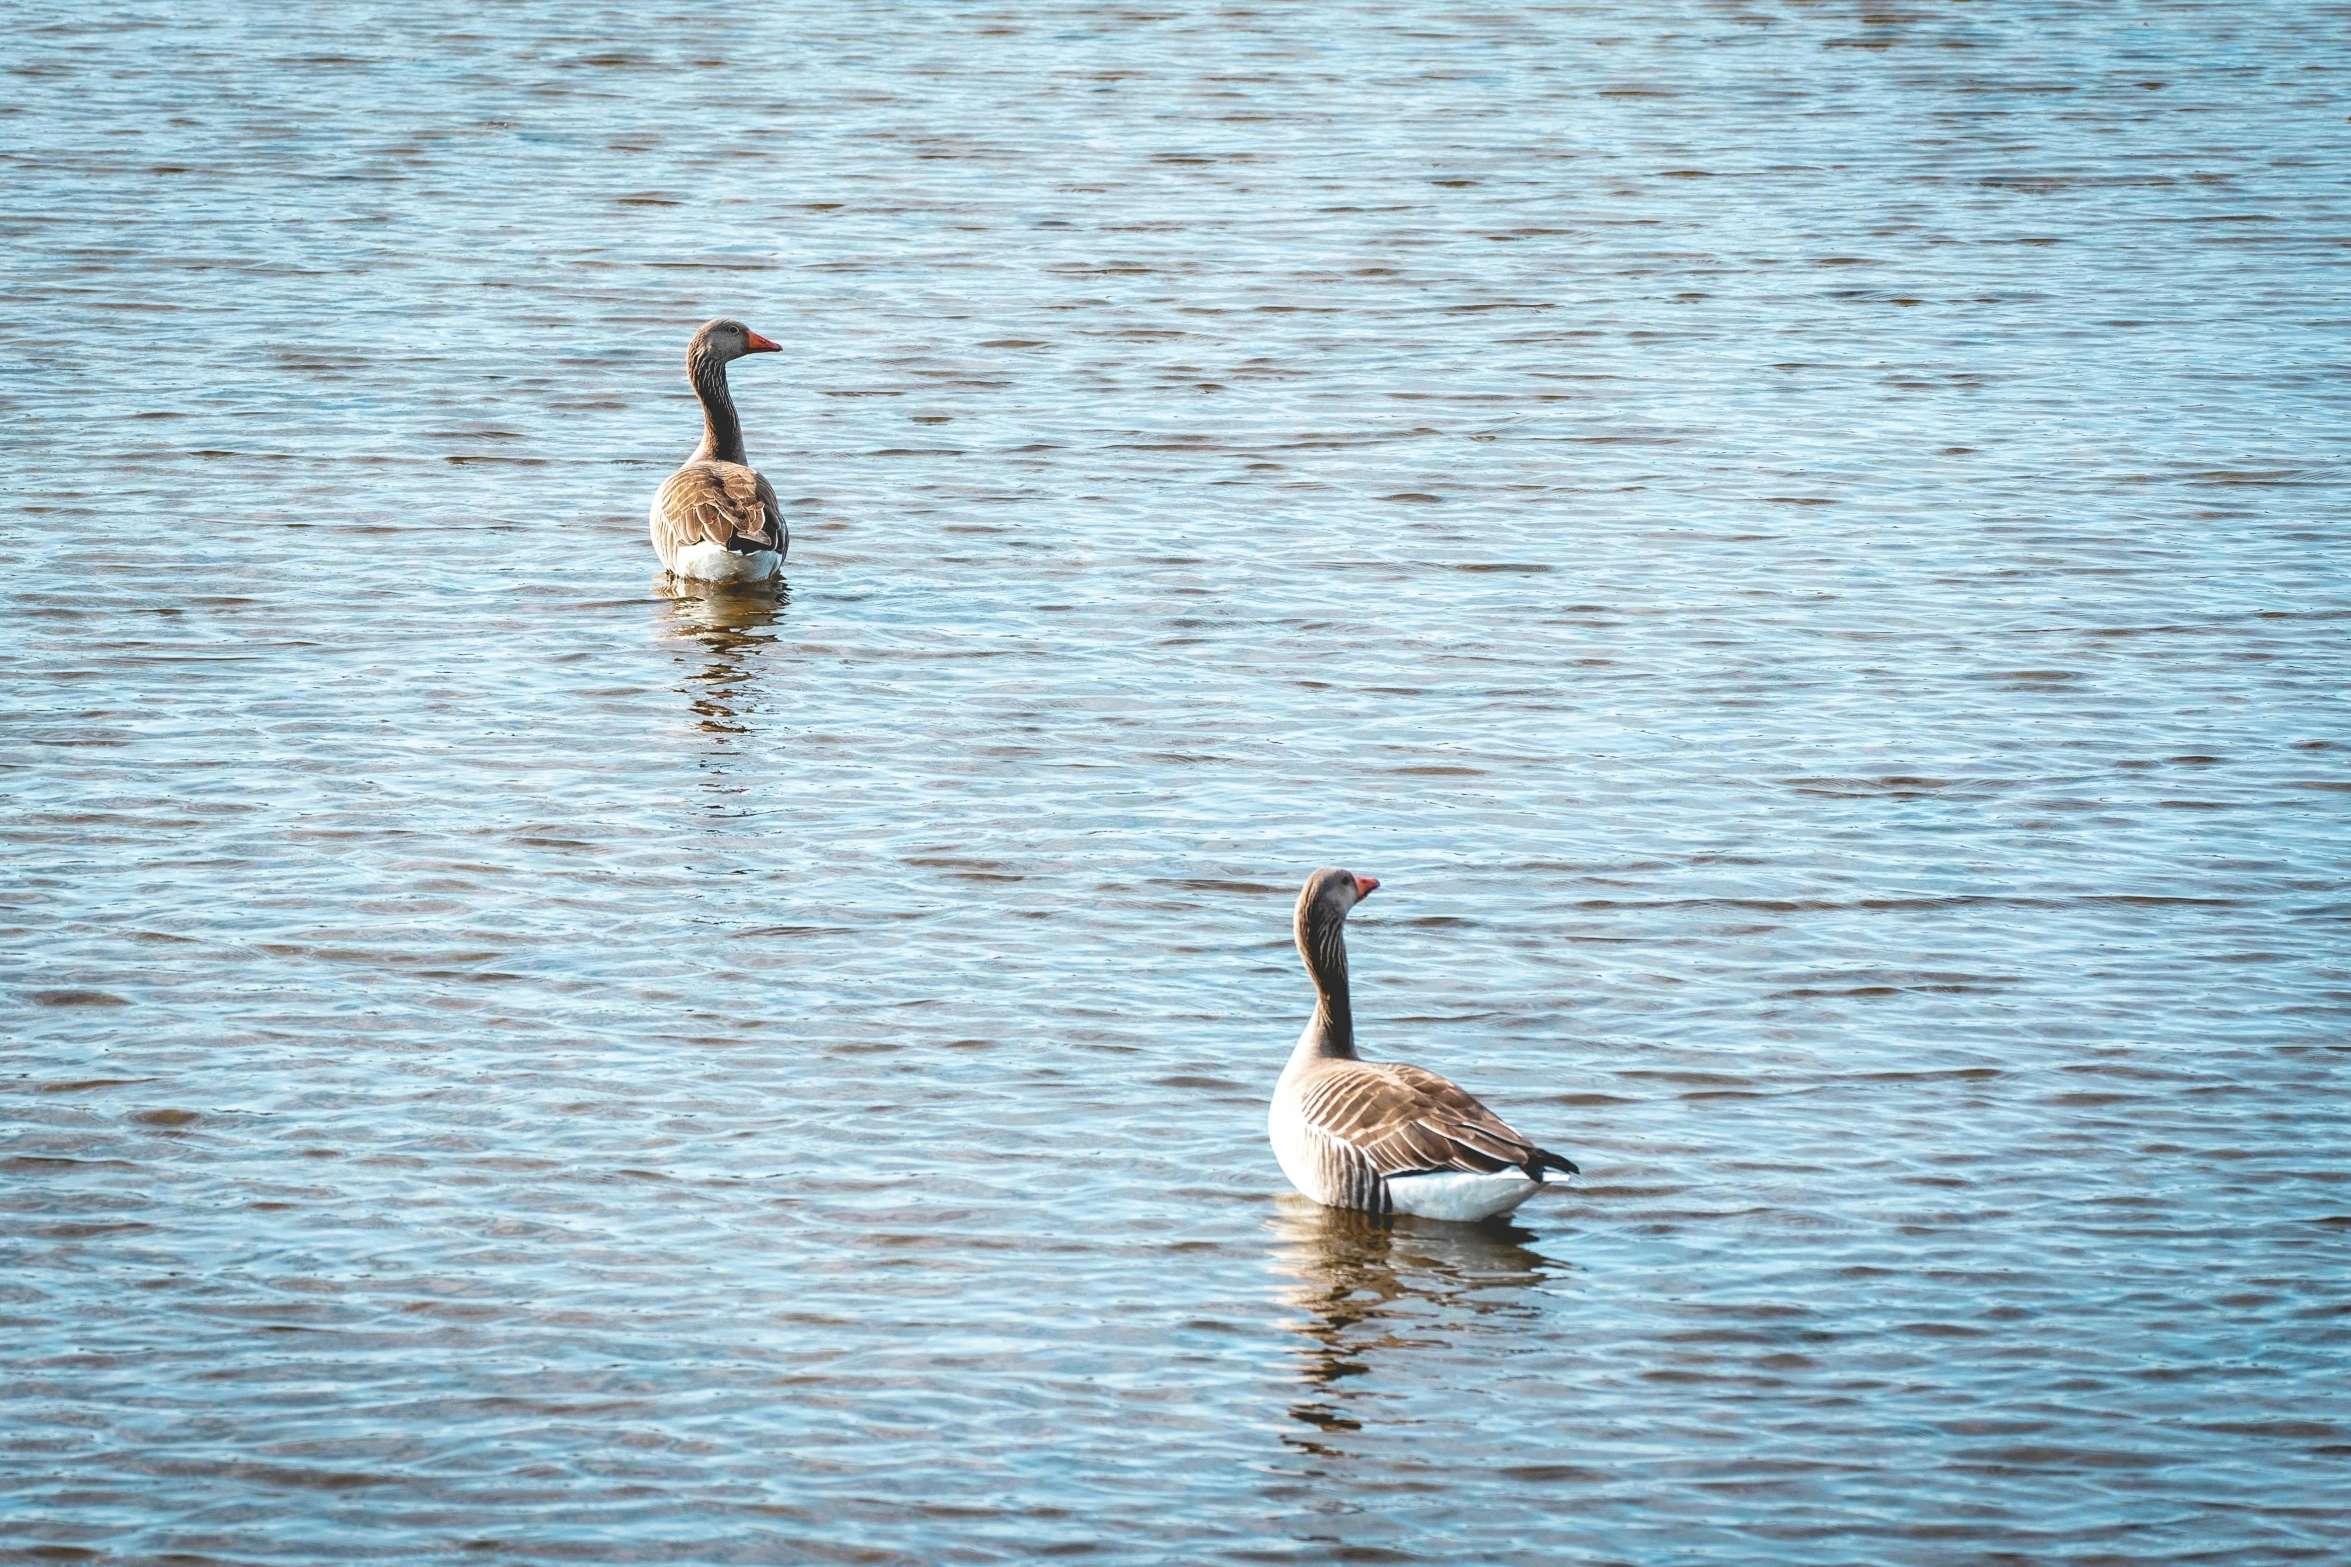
point(1806, 545)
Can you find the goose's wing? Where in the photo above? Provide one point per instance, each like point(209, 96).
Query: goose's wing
point(1405, 1120)
point(778, 536)
point(709, 502)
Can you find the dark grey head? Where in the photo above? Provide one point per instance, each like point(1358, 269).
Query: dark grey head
point(1323, 904)
point(725, 340)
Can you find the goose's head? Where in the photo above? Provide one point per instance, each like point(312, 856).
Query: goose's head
point(1324, 901)
point(725, 340)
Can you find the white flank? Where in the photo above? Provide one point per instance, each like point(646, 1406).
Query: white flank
point(1293, 1143)
point(1461, 1194)
point(707, 562)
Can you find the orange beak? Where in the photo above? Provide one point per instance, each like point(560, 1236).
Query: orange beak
point(1365, 886)
point(761, 345)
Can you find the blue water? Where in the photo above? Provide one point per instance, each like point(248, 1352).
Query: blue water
point(1808, 547)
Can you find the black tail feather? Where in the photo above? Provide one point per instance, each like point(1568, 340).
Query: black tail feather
point(1544, 1159)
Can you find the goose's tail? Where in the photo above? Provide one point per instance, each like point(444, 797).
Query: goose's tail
point(1544, 1165)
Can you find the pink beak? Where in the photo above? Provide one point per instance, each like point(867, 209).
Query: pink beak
point(761, 345)
point(1365, 886)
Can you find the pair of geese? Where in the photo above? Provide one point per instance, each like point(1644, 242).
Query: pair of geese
point(1373, 1136)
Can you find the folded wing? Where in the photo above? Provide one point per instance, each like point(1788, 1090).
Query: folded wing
point(1401, 1120)
point(722, 503)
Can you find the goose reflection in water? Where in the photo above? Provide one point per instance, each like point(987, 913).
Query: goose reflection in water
point(729, 628)
point(1377, 1290)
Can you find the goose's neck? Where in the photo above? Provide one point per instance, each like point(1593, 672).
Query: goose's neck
point(1331, 1034)
point(722, 432)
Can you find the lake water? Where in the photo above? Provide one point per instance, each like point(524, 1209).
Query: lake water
point(1809, 547)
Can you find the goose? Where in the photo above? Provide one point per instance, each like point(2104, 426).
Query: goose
point(716, 519)
point(1378, 1136)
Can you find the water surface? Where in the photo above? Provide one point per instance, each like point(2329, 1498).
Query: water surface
point(1806, 546)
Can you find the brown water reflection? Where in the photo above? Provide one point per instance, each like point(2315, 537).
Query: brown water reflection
point(1375, 1290)
point(729, 627)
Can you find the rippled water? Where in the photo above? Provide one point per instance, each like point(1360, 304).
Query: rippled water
point(1806, 546)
